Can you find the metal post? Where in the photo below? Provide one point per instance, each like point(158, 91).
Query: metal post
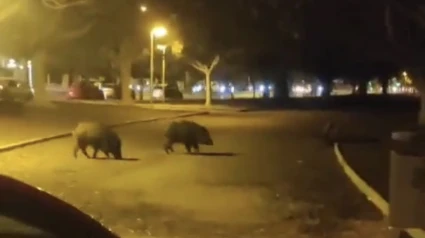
point(163, 75)
point(151, 68)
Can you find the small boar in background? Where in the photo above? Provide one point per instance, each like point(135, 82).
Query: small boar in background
point(99, 137)
point(189, 133)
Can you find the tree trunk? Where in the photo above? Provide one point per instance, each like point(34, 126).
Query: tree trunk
point(187, 82)
point(41, 97)
point(208, 89)
point(282, 88)
point(254, 92)
point(125, 80)
point(384, 84)
point(25, 70)
point(418, 74)
point(327, 87)
point(421, 114)
point(362, 90)
point(71, 77)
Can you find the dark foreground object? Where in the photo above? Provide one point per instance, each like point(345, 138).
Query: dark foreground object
point(99, 137)
point(39, 209)
point(189, 133)
point(371, 161)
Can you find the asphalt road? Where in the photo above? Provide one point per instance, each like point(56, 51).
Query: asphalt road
point(29, 122)
point(268, 175)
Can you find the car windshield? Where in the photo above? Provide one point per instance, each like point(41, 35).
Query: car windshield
point(217, 119)
point(11, 228)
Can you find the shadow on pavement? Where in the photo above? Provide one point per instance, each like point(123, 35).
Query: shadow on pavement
point(123, 159)
point(355, 139)
point(219, 154)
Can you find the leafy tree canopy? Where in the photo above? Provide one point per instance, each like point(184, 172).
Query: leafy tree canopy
point(29, 26)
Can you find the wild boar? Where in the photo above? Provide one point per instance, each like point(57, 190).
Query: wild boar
point(189, 133)
point(99, 137)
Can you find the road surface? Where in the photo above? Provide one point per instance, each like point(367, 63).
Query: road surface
point(18, 124)
point(268, 175)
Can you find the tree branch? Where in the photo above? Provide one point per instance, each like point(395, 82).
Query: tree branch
point(76, 33)
point(388, 24)
point(401, 51)
point(199, 66)
point(10, 9)
point(412, 14)
point(62, 4)
point(214, 63)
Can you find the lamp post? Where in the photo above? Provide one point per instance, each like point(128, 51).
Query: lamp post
point(156, 32)
point(163, 48)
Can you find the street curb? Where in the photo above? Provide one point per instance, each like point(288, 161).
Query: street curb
point(189, 107)
point(211, 109)
point(67, 134)
point(371, 194)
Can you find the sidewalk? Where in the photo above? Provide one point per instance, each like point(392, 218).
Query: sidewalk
point(371, 161)
point(182, 107)
point(32, 122)
point(163, 106)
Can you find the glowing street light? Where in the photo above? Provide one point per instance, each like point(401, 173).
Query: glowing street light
point(161, 47)
point(159, 32)
point(156, 32)
point(143, 8)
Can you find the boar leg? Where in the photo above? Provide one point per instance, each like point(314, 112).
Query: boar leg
point(107, 154)
point(84, 150)
point(80, 145)
point(188, 147)
point(95, 153)
point(76, 148)
point(168, 146)
point(196, 147)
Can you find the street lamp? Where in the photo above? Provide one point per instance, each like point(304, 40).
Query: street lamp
point(143, 8)
point(156, 32)
point(163, 48)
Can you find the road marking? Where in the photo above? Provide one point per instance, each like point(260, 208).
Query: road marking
point(372, 195)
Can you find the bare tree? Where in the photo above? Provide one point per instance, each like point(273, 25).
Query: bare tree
point(207, 70)
point(9, 8)
point(27, 39)
point(410, 52)
point(62, 4)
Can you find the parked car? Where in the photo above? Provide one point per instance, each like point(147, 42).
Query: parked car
point(13, 90)
point(84, 89)
point(170, 91)
point(111, 90)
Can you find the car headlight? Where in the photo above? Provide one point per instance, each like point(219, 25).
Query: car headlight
point(157, 93)
point(262, 88)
